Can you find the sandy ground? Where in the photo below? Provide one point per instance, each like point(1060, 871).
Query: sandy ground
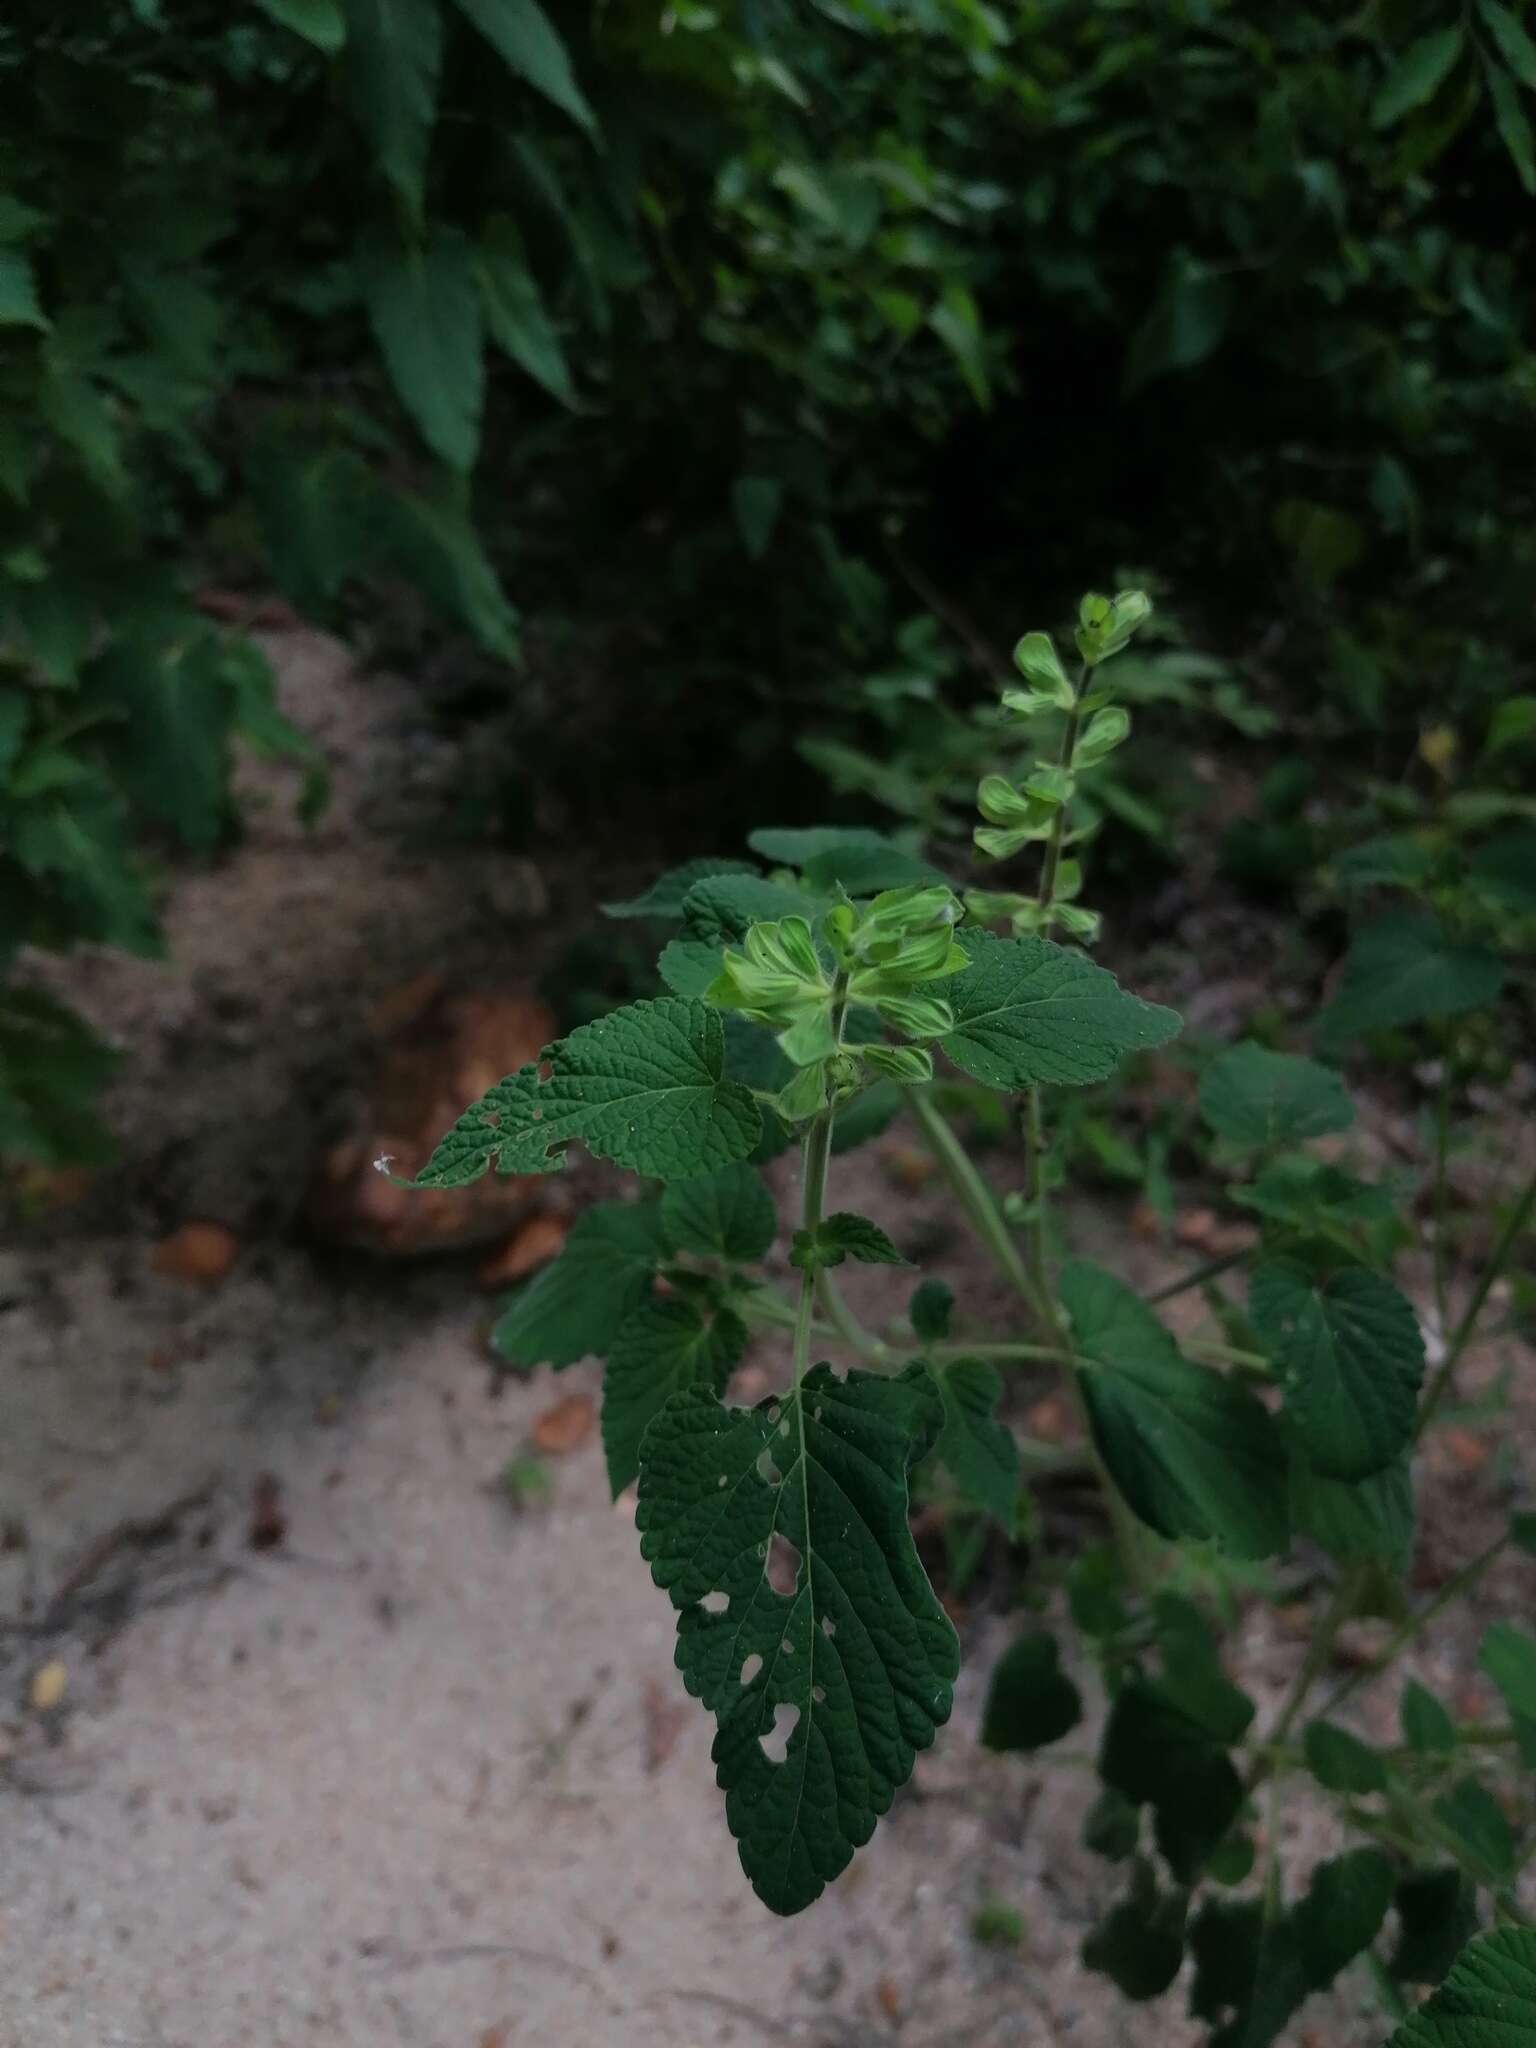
point(421, 1772)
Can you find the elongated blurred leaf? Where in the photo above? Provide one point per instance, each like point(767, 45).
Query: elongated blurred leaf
point(320, 22)
point(523, 36)
point(394, 51)
point(514, 310)
point(1416, 76)
point(424, 305)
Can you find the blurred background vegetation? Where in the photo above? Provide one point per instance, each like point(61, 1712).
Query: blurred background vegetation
point(725, 387)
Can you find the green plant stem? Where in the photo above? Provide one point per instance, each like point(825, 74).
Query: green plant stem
point(1407, 1631)
point(1211, 1270)
point(813, 1192)
point(1318, 1652)
point(1442, 1151)
point(1515, 1223)
point(846, 1323)
point(976, 1199)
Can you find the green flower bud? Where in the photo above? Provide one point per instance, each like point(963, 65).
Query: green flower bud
point(803, 1097)
point(909, 1063)
point(1036, 660)
point(919, 1016)
point(1001, 844)
point(988, 906)
point(1107, 623)
point(810, 1038)
point(1103, 733)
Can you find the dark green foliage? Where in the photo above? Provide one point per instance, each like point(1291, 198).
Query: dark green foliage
point(1487, 2000)
point(1156, 1752)
point(1341, 1761)
point(1436, 1916)
point(1031, 1700)
point(1139, 1946)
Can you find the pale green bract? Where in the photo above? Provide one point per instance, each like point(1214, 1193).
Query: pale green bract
point(644, 1087)
point(861, 1649)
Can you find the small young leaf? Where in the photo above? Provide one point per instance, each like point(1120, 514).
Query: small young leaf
point(978, 1451)
point(844, 1236)
point(1193, 1453)
point(1028, 1011)
point(1341, 1762)
point(1139, 1945)
point(1351, 1355)
point(577, 1305)
point(1417, 75)
point(1403, 969)
point(664, 898)
point(1257, 1097)
point(1113, 1826)
point(690, 966)
point(1487, 2001)
point(662, 1348)
point(644, 1087)
point(724, 1215)
point(1436, 1916)
point(929, 1311)
point(1426, 1726)
point(1031, 1701)
point(861, 1649)
point(1355, 1521)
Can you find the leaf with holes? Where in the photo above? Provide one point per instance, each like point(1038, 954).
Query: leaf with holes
point(860, 1651)
point(978, 1451)
point(1487, 2001)
point(1193, 1453)
point(645, 1087)
point(662, 1348)
point(1351, 1356)
point(844, 1236)
point(1257, 1097)
point(576, 1307)
point(1028, 1011)
point(724, 1215)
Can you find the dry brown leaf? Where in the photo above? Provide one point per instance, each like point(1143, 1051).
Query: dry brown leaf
point(566, 1426)
point(530, 1246)
point(888, 1999)
point(201, 1253)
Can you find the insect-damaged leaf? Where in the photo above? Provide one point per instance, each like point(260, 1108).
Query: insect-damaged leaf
point(861, 1650)
point(644, 1087)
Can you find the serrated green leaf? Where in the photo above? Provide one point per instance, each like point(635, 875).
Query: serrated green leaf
point(1341, 1762)
point(1508, 1656)
point(930, 1310)
point(863, 862)
point(644, 1086)
point(1487, 2001)
point(1513, 38)
point(690, 966)
point(515, 316)
point(320, 22)
point(861, 1649)
point(522, 35)
point(665, 896)
point(1257, 1097)
point(661, 1349)
point(1402, 970)
point(1156, 1753)
point(393, 56)
point(724, 907)
point(844, 1236)
point(577, 1305)
point(1342, 1911)
point(1139, 1945)
point(1194, 1454)
point(978, 1451)
point(1351, 1355)
point(51, 1066)
point(1030, 1700)
point(1436, 1915)
point(1416, 76)
point(725, 1215)
point(1028, 1011)
point(424, 306)
point(173, 755)
point(1426, 1726)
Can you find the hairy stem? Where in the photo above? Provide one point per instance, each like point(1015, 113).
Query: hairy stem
point(1514, 1226)
point(818, 1151)
point(1312, 1666)
point(1407, 1631)
point(1212, 1269)
point(976, 1199)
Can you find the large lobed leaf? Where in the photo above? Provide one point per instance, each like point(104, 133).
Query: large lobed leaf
point(1027, 1011)
point(645, 1087)
point(1194, 1454)
point(1351, 1356)
point(861, 1649)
